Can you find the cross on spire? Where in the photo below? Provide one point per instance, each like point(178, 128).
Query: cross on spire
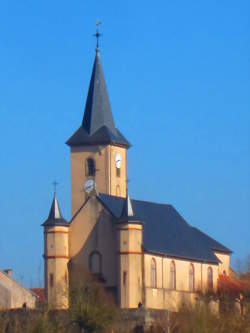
point(55, 183)
point(97, 35)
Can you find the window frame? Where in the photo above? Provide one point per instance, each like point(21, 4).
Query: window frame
point(90, 167)
point(191, 279)
point(51, 280)
point(118, 172)
point(172, 275)
point(124, 278)
point(153, 273)
point(210, 279)
point(100, 262)
point(118, 190)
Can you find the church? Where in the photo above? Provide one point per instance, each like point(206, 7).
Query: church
point(144, 253)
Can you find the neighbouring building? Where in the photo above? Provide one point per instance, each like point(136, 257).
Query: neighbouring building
point(13, 295)
point(144, 252)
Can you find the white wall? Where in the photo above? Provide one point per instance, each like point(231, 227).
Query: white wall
point(13, 295)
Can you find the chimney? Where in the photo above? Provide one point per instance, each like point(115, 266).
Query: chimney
point(8, 271)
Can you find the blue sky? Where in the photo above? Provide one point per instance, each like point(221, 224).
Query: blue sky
point(178, 79)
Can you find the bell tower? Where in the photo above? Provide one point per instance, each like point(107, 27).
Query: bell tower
point(98, 149)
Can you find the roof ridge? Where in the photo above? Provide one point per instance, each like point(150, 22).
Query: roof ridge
point(146, 201)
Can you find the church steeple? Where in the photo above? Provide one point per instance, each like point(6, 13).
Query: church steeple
point(97, 109)
point(98, 150)
point(98, 125)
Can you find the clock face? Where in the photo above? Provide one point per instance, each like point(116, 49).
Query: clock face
point(118, 160)
point(89, 185)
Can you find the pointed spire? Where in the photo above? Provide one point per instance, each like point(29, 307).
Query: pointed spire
point(55, 213)
point(55, 217)
point(127, 211)
point(127, 215)
point(98, 125)
point(97, 111)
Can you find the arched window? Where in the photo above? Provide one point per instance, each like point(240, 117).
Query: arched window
point(51, 280)
point(90, 167)
point(118, 172)
point(124, 278)
point(118, 190)
point(210, 278)
point(95, 263)
point(172, 276)
point(191, 278)
point(153, 273)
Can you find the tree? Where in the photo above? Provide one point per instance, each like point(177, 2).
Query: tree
point(91, 310)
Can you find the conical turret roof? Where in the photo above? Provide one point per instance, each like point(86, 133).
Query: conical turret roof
point(55, 217)
point(98, 125)
point(127, 215)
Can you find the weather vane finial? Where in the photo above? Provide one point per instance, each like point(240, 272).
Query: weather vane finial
point(97, 34)
point(55, 183)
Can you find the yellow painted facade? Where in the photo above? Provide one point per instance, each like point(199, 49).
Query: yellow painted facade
point(108, 179)
point(56, 256)
point(224, 265)
point(93, 231)
point(163, 296)
point(130, 263)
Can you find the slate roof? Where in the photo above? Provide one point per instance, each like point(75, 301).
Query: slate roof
point(166, 232)
point(55, 217)
point(98, 125)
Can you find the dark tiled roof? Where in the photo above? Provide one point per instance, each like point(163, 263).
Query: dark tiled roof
point(166, 232)
point(98, 125)
point(100, 137)
point(55, 217)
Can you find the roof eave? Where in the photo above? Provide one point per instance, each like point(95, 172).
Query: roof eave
point(129, 221)
point(175, 256)
point(98, 143)
point(226, 251)
point(55, 223)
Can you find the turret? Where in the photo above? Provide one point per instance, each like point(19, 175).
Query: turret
point(130, 257)
point(56, 257)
